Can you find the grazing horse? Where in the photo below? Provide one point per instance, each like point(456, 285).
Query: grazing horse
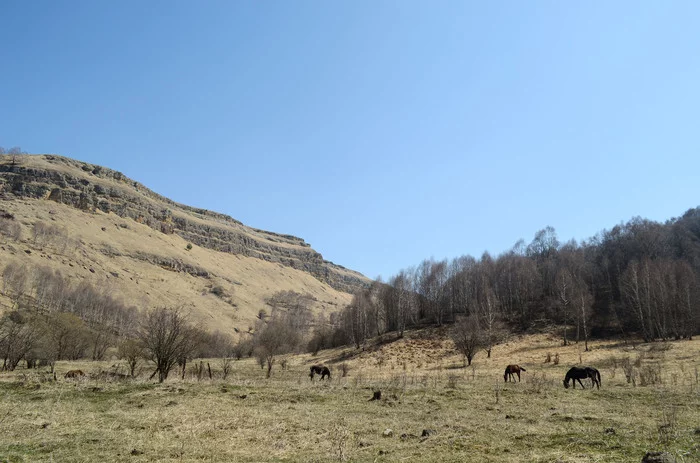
point(320, 370)
point(578, 373)
point(74, 374)
point(511, 370)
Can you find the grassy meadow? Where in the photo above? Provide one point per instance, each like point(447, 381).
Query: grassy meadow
point(469, 414)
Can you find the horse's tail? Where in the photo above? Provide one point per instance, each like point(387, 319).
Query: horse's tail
point(600, 381)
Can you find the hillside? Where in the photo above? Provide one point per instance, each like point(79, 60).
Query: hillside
point(133, 243)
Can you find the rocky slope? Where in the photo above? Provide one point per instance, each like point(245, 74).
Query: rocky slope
point(90, 188)
point(123, 227)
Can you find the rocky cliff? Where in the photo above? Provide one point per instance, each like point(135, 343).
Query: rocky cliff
point(94, 188)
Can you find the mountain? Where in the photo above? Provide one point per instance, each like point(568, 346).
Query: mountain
point(94, 224)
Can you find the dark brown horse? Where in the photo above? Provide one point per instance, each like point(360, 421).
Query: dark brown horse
point(579, 373)
point(74, 374)
point(319, 370)
point(512, 370)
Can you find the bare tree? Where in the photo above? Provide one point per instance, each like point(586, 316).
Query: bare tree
point(18, 336)
point(355, 319)
point(565, 296)
point(274, 338)
point(15, 154)
point(131, 350)
point(167, 337)
point(15, 282)
point(10, 229)
point(468, 337)
point(226, 364)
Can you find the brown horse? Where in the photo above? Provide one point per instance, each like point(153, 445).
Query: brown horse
point(579, 373)
point(511, 370)
point(320, 370)
point(74, 374)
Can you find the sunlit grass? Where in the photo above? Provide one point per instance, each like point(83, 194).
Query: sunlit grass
point(471, 414)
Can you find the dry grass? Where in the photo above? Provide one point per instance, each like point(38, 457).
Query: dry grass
point(110, 243)
point(473, 414)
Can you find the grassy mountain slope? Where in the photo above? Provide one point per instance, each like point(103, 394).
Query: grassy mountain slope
point(122, 237)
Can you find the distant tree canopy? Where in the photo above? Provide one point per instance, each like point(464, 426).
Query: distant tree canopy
point(640, 278)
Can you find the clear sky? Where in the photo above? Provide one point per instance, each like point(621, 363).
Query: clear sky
point(381, 132)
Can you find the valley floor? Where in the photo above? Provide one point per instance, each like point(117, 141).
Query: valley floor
point(469, 414)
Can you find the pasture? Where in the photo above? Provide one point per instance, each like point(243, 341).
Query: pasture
point(468, 414)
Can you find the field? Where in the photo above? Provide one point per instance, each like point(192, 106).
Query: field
point(468, 414)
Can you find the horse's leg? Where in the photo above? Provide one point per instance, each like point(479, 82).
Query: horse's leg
point(518, 376)
point(579, 381)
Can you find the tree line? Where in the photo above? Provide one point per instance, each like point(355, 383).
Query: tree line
point(639, 278)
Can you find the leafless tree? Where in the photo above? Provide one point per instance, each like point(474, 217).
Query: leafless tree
point(274, 338)
point(402, 302)
point(167, 337)
point(10, 230)
point(468, 337)
point(15, 154)
point(65, 337)
point(15, 282)
point(565, 295)
point(132, 352)
point(226, 365)
point(18, 336)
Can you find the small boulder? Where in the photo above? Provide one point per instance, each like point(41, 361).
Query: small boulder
point(388, 432)
point(428, 432)
point(658, 457)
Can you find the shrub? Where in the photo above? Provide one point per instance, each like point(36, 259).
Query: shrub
point(218, 291)
point(650, 375)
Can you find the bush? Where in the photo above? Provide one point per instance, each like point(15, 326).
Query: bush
point(650, 375)
point(218, 291)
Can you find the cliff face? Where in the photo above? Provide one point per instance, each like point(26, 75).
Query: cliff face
point(94, 188)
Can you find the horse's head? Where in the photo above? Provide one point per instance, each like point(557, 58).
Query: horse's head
point(566, 383)
point(505, 376)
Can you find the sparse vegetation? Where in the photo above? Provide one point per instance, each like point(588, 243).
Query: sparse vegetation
point(475, 419)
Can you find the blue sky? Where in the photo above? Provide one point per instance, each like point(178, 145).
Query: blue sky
point(382, 132)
